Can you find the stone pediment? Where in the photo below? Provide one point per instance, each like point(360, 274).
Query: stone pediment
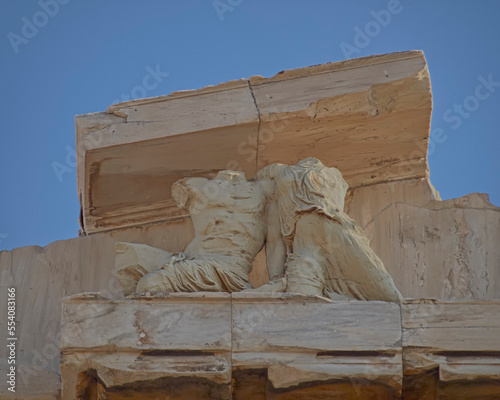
point(368, 117)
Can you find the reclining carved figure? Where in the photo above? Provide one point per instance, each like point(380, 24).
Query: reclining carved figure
point(228, 215)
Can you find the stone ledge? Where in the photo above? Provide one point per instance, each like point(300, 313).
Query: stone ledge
point(297, 344)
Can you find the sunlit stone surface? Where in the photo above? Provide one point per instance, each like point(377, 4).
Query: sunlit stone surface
point(367, 117)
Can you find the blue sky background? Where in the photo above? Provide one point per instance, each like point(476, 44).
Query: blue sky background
point(89, 54)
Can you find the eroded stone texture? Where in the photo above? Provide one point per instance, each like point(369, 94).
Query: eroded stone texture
point(368, 117)
point(43, 276)
point(451, 349)
point(228, 215)
point(446, 249)
point(193, 344)
point(141, 346)
point(297, 210)
point(323, 251)
point(279, 346)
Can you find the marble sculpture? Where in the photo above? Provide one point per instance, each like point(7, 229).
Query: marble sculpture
point(295, 211)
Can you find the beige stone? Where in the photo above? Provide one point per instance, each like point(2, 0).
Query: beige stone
point(212, 338)
point(285, 325)
point(145, 339)
point(32, 383)
point(320, 249)
point(445, 249)
point(297, 210)
point(133, 261)
point(368, 117)
point(307, 346)
point(446, 326)
point(228, 215)
point(286, 376)
point(121, 368)
point(43, 276)
point(146, 324)
point(343, 113)
point(365, 203)
point(450, 349)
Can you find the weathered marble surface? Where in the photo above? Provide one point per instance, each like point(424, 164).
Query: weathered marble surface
point(451, 349)
point(395, 207)
point(182, 336)
point(148, 341)
point(319, 249)
point(299, 341)
point(432, 248)
point(281, 345)
point(134, 260)
point(32, 383)
point(228, 215)
point(295, 210)
point(343, 113)
point(295, 324)
point(42, 276)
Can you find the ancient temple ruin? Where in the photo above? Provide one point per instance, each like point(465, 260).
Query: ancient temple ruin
point(96, 327)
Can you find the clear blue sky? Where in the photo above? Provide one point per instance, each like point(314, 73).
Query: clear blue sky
point(85, 55)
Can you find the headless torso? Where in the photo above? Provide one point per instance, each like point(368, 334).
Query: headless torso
point(228, 215)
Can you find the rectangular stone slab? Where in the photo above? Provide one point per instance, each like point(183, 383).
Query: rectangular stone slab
point(295, 326)
point(181, 321)
point(288, 375)
point(451, 326)
point(451, 349)
point(309, 342)
point(369, 117)
point(301, 344)
point(118, 369)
